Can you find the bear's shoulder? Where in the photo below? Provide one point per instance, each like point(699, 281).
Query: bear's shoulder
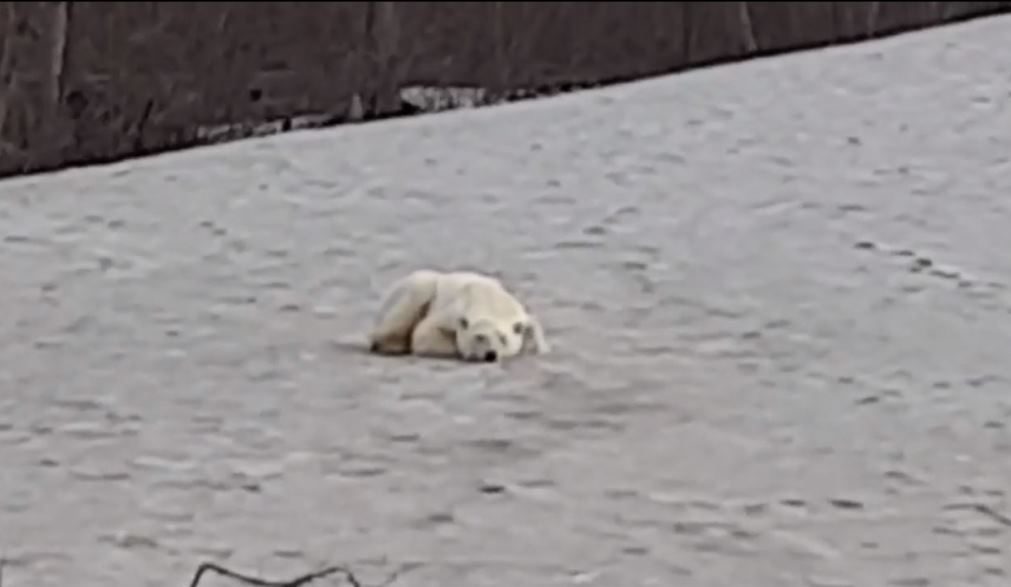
point(470, 293)
point(455, 283)
point(490, 299)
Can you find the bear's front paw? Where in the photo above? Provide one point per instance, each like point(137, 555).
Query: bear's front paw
point(390, 347)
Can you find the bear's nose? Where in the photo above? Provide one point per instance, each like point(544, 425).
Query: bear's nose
point(490, 356)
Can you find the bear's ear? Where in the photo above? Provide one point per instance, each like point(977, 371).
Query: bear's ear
point(519, 328)
point(464, 324)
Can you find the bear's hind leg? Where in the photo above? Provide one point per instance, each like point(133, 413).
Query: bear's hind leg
point(429, 340)
point(404, 307)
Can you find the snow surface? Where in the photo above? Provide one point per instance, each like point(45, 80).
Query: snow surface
point(757, 378)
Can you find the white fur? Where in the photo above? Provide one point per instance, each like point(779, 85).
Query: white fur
point(454, 314)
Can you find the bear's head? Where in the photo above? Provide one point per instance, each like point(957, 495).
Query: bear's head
point(486, 339)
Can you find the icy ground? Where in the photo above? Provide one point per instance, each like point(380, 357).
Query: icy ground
point(779, 295)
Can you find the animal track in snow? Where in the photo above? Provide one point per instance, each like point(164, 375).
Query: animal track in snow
point(918, 263)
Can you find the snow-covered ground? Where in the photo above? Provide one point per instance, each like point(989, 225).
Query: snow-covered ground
point(778, 292)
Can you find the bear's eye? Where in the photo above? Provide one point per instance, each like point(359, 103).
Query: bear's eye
point(518, 328)
point(502, 339)
point(463, 323)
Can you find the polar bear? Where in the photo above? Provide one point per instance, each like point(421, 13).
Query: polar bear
point(454, 314)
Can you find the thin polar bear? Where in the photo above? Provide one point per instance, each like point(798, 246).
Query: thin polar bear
point(454, 314)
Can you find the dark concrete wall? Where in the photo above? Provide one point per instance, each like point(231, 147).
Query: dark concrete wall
point(99, 81)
